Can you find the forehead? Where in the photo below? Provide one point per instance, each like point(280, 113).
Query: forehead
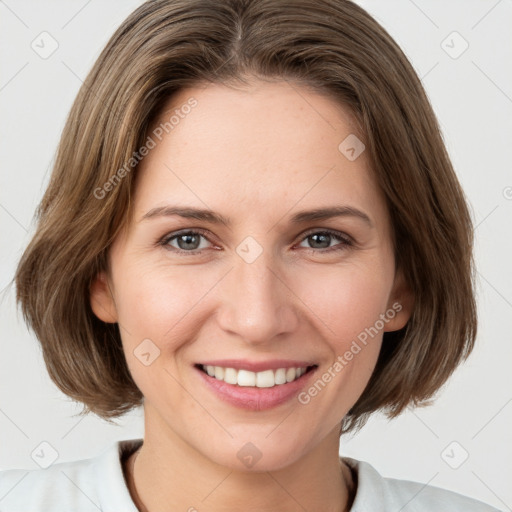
point(262, 148)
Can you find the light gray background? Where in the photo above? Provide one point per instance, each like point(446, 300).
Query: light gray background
point(472, 96)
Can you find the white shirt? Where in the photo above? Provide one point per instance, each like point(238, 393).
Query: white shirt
point(98, 484)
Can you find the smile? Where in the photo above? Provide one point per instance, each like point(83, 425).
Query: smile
point(262, 379)
point(255, 386)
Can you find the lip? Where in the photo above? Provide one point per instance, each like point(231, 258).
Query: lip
point(252, 366)
point(252, 398)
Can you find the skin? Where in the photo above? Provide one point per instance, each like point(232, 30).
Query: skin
point(257, 155)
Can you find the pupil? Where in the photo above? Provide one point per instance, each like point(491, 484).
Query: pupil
point(325, 237)
point(188, 239)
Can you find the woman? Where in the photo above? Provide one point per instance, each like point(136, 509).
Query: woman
point(250, 230)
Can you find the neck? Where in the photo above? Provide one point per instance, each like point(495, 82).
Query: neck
point(170, 475)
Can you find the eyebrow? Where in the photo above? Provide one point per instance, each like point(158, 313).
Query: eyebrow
point(205, 215)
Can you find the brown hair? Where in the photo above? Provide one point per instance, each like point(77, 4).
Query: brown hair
point(336, 48)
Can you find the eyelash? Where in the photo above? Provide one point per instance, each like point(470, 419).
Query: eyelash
point(346, 242)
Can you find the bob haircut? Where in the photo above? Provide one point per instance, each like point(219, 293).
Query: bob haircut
point(333, 47)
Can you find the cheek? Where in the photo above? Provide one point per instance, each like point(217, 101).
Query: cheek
point(160, 306)
point(345, 300)
point(348, 304)
point(157, 311)
point(154, 300)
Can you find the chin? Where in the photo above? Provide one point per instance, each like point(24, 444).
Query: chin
point(255, 452)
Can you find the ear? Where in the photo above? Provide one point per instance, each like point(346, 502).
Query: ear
point(400, 304)
point(102, 301)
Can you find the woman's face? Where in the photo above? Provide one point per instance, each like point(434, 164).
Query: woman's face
point(268, 289)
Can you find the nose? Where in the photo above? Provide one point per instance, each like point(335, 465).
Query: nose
point(257, 303)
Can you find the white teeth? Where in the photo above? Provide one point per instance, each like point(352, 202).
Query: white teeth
point(290, 374)
point(264, 379)
point(230, 376)
point(219, 372)
point(280, 376)
point(246, 378)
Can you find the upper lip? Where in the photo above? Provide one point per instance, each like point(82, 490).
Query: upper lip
point(253, 366)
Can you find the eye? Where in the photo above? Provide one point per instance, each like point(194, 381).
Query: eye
point(322, 240)
point(185, 241)
point(189, 241)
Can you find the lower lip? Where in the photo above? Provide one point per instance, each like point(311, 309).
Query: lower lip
point(252, 398)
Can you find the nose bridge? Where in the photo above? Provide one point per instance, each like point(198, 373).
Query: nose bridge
point(256, 303)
